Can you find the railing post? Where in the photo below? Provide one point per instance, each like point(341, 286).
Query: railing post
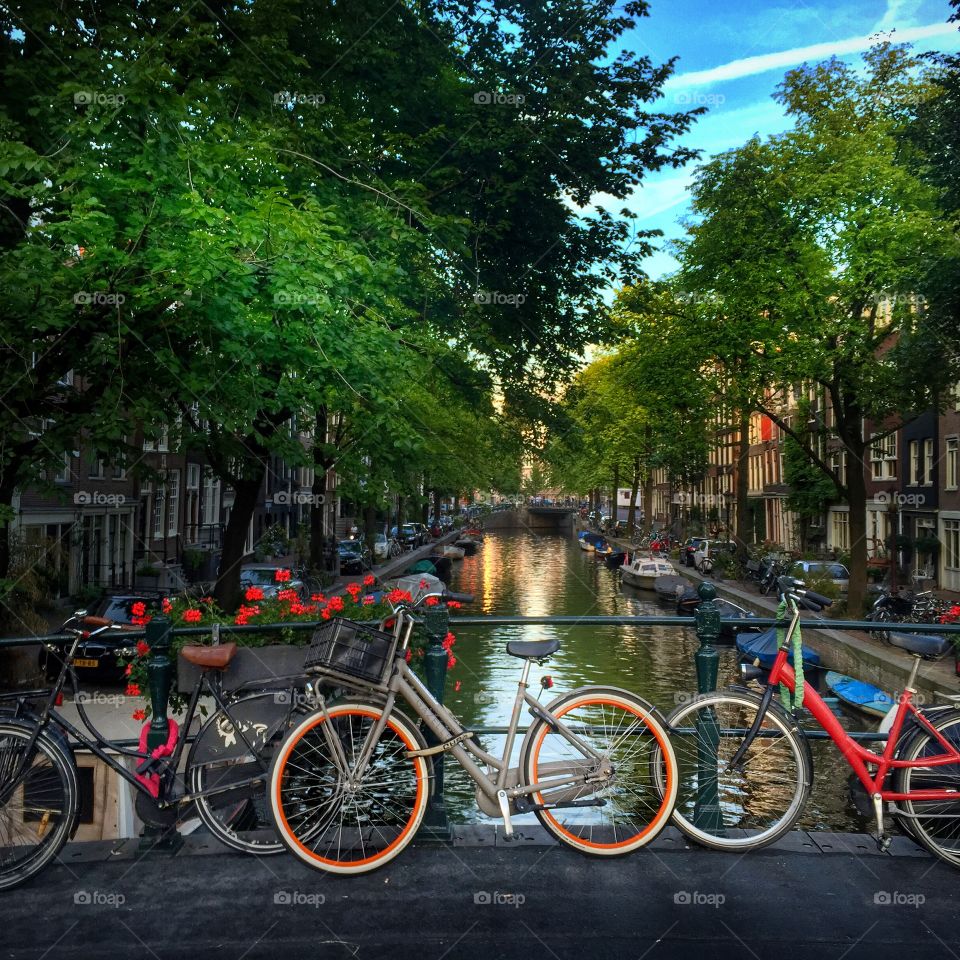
point(707, 807)
point(156, 837)
point(436, 623)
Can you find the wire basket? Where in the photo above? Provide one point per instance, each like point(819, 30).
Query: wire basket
point(356, 653)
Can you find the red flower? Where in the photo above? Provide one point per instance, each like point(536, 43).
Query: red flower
point(192, 616)
point(432, 600)
point(133, 690)
point(166, 605)
point(139, 715)
point(281, 576)
point(456, 686)
point(318, 598)
point(353, 589)
point(408, 656)
point(453, 605)
point(288, 596)
point(369, 580)
point(142, 648)
point(140, 621)
point(138, 609)
point(240, 619)
point(367, 600)
point(325, 614)
point(128, 669)
point(335, 604)
point(451, 662)
point(206, 599)
point(253, 593)
point(424, 584)
point(399, 596)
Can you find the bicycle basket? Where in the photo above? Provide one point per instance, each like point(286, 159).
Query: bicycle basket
point(357, 653)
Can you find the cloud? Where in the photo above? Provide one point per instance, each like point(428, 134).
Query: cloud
point(899, 13)
point(750, 66)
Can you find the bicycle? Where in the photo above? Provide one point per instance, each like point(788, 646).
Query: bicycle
point(224, 777)
point(746, 768)
point(350, 784)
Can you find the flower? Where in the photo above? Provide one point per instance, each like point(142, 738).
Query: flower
point(128, 669)
point(287, 595)
point(369, 580)
point(206, 599)
point(453, 605)
point(399, 596)
point(424, 584)
point(456, 686)
point(318, 598)
point(451, 661)
point(253, 593)
point(139, 715)
point(335, 604)
point(353, 589)
point(281, 576)
point(432, 600)
point(143, 648)
point(192, 616)
point(138, 609)
point(166, 605)
point(408, 656)
point(448, 641)
point(325, 613)
point(367, 600)
point(133, 690)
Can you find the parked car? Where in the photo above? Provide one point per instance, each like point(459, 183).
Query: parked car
point(837, 573)
point(705, 554)
point(385, 547)
point(354, 556)
point(410, 535)
point(264, 576)
point(688, 549)
point(103, 629)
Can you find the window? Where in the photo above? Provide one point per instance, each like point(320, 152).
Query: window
point(173, 502)
point(193, 476)
point(928, 462)
point(61, 473)
point(951, 544)
point(160, 444)
point(210, 513)
point(883, 458)
point(950, 463)
point(158, 511)
point(120, 463)
point(840, 530)
point(96, 466)
point(914, 463)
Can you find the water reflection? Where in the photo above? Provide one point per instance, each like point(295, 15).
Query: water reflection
point(533, 574)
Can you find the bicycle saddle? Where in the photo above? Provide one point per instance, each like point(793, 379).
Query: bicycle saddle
point(532, 649)
point(211, 658)
point(926, 644)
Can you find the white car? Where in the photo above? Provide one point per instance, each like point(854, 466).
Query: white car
point(385, 547)
point(704, 555)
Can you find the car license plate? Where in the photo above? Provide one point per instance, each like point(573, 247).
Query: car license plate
point(84, 662)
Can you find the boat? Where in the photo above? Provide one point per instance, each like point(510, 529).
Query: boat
point(669, 586)
point(474, 533)
point(761, 649)
point(859, 694)
point(454, 553)
point(604, 549)
point(643, 571)
point(616, 559)
point(588, 540)
point(468, 545)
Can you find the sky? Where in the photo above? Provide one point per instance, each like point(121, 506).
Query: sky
point(733, 54)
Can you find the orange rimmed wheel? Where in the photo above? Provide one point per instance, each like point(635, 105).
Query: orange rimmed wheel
point(622, 803)
point(332, 820)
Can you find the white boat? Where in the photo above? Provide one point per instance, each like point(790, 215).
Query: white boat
point(587, 545)
point(643, 571)
point(454, 553)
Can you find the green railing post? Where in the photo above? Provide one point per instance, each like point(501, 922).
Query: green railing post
point(157, 838)
point(707, 808)
point(436, 623)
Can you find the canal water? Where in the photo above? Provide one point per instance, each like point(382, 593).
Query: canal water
point(535, 574)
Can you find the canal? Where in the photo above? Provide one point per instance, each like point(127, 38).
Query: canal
point(534, 574)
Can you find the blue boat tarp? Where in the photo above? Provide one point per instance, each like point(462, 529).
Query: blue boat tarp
point(591, 537)
point(860, 694)
point(763, 647)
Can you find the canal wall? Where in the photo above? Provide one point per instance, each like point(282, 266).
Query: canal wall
point(523, 519)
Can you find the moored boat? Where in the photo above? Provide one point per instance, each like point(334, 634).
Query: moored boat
point(616, 559)
point(454, 553)
point(643, 571)
point(761, 649)
point(859, 694)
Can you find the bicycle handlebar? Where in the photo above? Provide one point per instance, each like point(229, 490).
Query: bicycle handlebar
point(808, 599)
point(459, 597)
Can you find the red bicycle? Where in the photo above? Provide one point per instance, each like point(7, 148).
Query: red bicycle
point(746, 768)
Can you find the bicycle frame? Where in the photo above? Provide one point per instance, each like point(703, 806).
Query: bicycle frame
point(858, 757)
point(406, 685)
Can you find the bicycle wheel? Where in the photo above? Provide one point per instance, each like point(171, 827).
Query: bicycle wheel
point(934, 824)
point(632, 805)
point(328, 819)
point(239, 818)
point(38, 809)
point(883, 616)
point(751, 805)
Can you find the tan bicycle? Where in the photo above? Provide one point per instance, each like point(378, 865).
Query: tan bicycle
point(350, 784)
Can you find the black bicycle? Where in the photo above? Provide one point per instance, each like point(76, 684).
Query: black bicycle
point(224, 777)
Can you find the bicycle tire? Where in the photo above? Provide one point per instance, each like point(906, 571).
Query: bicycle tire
point(741, 800)
point(640, 805)
point(327, 822)
point(49, 785)
point(941, 825)
point(240, 819)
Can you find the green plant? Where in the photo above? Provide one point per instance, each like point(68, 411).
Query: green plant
point(192, 560)
point(148, 570)
point(927, 545)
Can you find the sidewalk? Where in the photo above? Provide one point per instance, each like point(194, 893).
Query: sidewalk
point(488, 898)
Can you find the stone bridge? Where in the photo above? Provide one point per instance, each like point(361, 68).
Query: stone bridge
point(532, 518)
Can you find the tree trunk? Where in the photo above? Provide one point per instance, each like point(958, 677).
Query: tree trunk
point(6, 507)
point(227, 590)
point(616, 487)
point(369, 522)
point(635, 486)
point(399, 513)
point(857, 499)
point(648, 501)
point(318, 511)
point(436, 506)
point(743, 526)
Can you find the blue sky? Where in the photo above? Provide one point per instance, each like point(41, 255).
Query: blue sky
point(733, 53)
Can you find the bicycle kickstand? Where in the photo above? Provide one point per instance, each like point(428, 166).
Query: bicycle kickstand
point(882, 838)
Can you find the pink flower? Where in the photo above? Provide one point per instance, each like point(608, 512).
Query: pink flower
point(367, 600)
point(456, 686)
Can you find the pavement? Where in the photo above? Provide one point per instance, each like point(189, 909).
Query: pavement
point(811, 896)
